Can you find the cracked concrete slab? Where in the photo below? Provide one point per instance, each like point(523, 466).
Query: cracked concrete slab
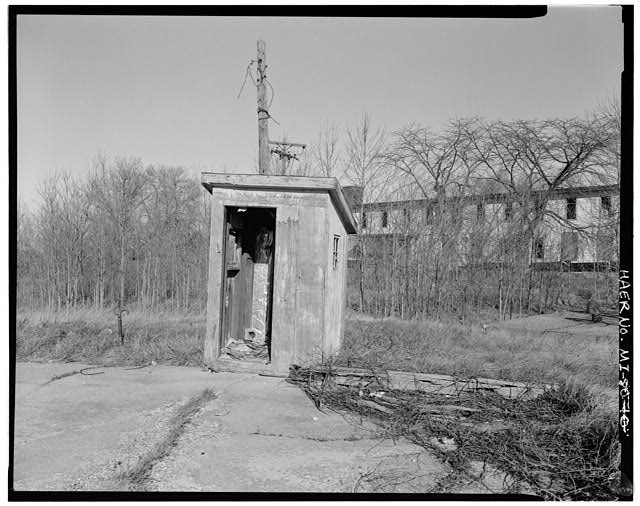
point(287, 445)
point(260, 434)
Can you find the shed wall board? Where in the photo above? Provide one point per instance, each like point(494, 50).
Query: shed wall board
point(343, 303)
point(311, 265)
point(262, 198)
point(284, 287)
point(214, 286)
point(334, 293)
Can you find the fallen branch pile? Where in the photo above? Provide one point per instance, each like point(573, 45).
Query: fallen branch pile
point(558, 445)
point(431, 383)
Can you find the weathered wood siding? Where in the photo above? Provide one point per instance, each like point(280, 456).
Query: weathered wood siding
point(310, 282)
point(283, 329)
point(303, 246)
point(214, 286)
point(335, 285)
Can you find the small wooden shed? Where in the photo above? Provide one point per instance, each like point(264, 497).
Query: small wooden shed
point(277, 269)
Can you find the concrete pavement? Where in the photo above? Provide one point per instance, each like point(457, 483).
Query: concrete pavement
point(260, 434)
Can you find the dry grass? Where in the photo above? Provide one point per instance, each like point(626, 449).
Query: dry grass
point(562, 445)
point(91, 336)
point(520, 354)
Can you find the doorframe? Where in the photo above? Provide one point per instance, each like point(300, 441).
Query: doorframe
point(223, 278)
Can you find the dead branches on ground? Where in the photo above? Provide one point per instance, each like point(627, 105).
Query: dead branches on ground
point(559, 445)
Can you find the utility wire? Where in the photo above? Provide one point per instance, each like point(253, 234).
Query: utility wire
point(247, 73)
point(273, 93)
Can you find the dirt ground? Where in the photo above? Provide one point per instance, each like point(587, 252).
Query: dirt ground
point(260, 434)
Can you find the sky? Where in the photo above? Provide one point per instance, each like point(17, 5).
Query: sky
point(166, 89)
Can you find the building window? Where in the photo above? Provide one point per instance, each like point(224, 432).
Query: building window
point(431, 212)
point(405, 213)
point(508, 211)
point(605, 205)
point(606, 246)
point(364, 219)
point(571, 209)
point(538, 249)
point(480, 212)
point(336, 245)
point(385, 219)
point(569, 247)
point(477, 242)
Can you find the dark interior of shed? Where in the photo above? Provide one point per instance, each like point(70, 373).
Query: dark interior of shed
point(248, 282)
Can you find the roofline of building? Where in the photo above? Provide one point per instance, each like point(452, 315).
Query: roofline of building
point(288, 184)
point(498, 197)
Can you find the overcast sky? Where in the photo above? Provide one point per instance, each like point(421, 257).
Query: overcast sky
point(165, 89)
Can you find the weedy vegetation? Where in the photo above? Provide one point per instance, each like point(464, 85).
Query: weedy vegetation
point(523, 354)
point(91, 336)
point(561, 445)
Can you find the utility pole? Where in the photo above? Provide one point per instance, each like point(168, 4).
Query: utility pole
point(283, 150)
point(263, 114)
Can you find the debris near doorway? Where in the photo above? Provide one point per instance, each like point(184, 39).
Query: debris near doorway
point(248, 283)
point(560, 445)
point(246, 350)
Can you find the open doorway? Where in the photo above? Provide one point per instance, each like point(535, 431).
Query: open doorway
point(247, 300)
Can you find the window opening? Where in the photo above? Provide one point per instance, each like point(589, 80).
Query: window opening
point(431, 212)
point(538, 204)
point(571, 209)
point(605, 205)
point(364, 219)
point(336, 243)
point(508, 211)
point(569, 247)
point(538, 249)
point(385, 219)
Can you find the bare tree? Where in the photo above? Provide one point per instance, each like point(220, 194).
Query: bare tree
point(435, 163)
point(364, 167)
point(326, 151)
point(305, 166)
point(128, 234)
point(117, 192)
point(485, 195)
point(472, 203)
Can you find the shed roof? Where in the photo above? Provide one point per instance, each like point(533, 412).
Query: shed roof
point(299, 184)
